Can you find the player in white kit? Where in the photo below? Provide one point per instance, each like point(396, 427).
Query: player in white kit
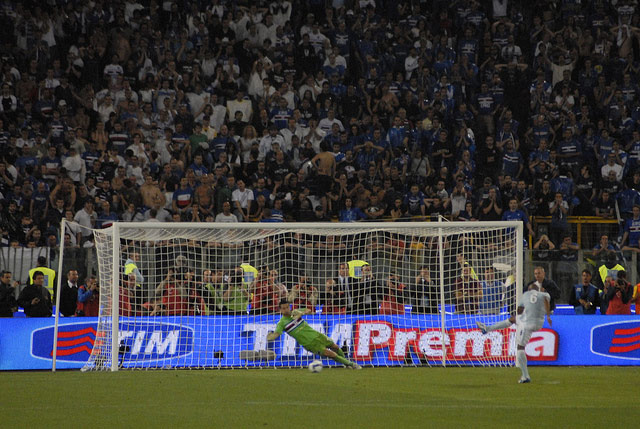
point(533, 308)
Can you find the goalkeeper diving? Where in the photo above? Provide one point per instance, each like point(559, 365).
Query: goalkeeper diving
point(312, 340)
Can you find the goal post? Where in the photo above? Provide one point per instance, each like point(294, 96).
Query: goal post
point(205, 295)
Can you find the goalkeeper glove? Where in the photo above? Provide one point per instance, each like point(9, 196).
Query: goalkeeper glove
point(297, 312)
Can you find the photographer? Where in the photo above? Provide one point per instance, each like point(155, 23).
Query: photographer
point(393, 302)
point(617, 295)
point(171, 299)
point(303, 294)
point(88, 298)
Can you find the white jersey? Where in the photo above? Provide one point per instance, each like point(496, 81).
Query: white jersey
point(534, 309)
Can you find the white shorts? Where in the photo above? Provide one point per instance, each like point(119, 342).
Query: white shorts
point(523, 333)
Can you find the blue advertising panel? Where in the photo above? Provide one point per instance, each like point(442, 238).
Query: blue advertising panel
point(27, 343)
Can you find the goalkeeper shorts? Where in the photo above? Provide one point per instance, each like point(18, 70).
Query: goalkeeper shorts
point(318, 344)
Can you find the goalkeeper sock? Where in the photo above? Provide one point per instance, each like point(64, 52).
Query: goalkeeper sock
point(500, 325)
point(521, 362)
point(340, 352)
point(343, 361)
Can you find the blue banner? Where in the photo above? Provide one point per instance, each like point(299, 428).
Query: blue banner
point(239, 341)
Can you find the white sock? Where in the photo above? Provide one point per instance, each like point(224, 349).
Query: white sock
point(521, 362)
point(500, 325)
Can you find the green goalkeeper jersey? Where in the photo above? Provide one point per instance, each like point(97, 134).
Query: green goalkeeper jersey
point(298, 329)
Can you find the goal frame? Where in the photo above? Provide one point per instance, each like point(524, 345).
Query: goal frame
point(439, 230)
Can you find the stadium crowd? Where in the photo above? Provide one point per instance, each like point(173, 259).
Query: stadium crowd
point(227, 111)
point(348, 110)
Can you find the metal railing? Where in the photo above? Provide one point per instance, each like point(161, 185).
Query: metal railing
point(19, 260)
point(585, 230)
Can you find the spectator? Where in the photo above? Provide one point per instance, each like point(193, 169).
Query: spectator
point(632, 232)
point(151, 194)
point(468, 213)
point(569, 152)
point(491, 208)
point(613, 167)
point(242, 198)
point(612, 185)
point(567, 253)
point(559, 210)
point(350, 213)
point(8, 303)
point(585, 191)
point(492, 293)
point(396, 211)
point(242, 105)
point(516, 214)
point(86, 217)
point(489, 159)
point(605, 206)
point(604, 249)
point(333, 298)
point(414, 201)
point(368, 292)
point(335, 73)
point(374, 210)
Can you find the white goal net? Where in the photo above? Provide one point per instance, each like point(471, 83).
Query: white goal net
point(195, 295)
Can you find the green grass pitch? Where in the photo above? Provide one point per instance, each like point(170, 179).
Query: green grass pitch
point(558, 397)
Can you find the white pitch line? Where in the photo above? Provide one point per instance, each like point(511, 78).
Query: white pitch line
point(387, 405)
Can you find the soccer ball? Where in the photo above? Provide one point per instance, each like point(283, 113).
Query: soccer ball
point(315, 366)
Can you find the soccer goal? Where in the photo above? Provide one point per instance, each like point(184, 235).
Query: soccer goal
point(206, 295)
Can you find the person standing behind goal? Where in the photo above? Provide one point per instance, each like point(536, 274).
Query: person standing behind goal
point(545, 284)
point(135, 280)
point(531, 313)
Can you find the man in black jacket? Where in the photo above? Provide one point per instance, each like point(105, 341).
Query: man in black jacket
point(69, 294)
point(549, 285)
point(424, 293)
point(8, 304)
point(35, 298)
